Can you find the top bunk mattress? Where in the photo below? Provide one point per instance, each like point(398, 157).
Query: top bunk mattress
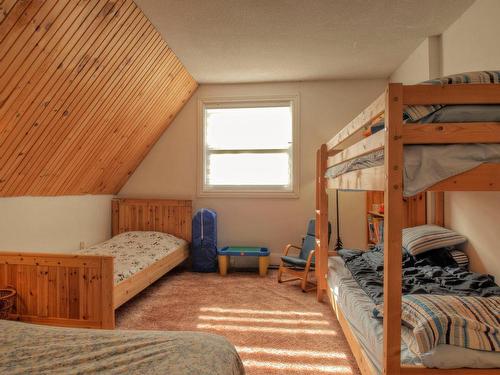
point(135, 251)
point(426, 165)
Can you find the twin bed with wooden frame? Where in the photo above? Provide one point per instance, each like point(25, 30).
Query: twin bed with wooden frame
point(77, 290)
point(389, 178)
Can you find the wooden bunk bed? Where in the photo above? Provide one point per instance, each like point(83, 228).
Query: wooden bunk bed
point(389, 179)
point(76, 290)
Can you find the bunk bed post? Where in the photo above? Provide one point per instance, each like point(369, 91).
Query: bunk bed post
point(439, 208)
point(393, 226)
point(321, 222)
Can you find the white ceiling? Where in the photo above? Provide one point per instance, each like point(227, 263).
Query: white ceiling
point(221, 41)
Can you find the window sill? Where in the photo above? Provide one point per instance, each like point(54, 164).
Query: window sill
point(263, 194)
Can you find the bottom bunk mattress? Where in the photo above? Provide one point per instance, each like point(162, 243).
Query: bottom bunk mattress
point(33, 349)
point(357, 307)
point(135, 251)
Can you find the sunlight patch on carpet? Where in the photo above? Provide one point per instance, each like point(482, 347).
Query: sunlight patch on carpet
point(290, 352)
point(242, 328)
point(263, 312)
point(263, 320)
point(298, 367)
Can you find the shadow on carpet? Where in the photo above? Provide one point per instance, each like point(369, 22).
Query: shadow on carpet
point(276, 328)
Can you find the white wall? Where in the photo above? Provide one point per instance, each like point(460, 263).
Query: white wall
point(469, 44)
point(415, 68)
point(54, 223)
point(169, 170)
point(424, 63)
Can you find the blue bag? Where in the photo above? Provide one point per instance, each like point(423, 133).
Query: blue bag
point(204, 244)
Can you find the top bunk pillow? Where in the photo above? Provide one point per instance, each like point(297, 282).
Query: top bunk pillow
point(464, 113)
point(413, 113)
point(417, 240)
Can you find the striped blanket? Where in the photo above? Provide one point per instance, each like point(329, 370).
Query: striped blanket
point(469, 322)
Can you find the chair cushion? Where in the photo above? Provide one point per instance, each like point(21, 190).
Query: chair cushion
point(311, 228)
point(294, 261)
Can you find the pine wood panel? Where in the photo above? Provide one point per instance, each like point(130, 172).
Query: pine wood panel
point(464, 132)
point(86, 89)
point(363, 147)
point(161, 215)
point(60, 289)
point(369, 113)
point(362, 179)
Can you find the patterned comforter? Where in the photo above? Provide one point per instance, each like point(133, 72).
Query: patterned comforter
point(433, 272)
point(34, 349)
point(468, 322)
point(134, 251)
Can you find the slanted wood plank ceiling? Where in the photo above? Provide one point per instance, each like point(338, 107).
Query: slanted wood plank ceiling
point(86, 89)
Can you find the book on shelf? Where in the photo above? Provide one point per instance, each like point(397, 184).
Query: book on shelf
point(375, 229)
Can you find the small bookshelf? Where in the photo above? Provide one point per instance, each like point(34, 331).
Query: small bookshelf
point(415, 213)
point(375, 217)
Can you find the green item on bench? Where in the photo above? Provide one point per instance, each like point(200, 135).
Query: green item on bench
point(244, 251)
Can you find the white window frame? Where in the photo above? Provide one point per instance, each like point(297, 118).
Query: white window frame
point(248, 191)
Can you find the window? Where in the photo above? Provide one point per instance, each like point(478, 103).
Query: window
point(249, 147)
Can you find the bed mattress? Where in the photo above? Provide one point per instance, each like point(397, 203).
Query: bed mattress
point(135, 251)
point(34, 349)
point(357, 308)
point(426, 165)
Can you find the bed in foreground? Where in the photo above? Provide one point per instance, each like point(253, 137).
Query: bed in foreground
point(34, 349)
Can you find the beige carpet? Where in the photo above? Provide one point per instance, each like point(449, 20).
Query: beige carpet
point(276, 328)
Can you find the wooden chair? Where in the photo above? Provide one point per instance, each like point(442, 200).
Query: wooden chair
point(300, 266)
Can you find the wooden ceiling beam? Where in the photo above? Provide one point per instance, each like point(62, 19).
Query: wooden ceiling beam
point(113, 79)
point(110, 115)
point(86, 89)
point(131, 117)
point(41, 114)
point(124, 168)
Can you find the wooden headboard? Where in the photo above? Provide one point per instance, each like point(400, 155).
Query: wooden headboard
point(161, 215)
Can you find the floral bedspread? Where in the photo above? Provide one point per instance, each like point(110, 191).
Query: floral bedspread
point(35, 349)
point(134, 251)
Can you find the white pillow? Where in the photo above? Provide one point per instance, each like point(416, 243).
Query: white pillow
point(418, 240)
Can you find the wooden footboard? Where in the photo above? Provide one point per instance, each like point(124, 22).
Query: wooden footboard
point(60, 289)
point(141, 280)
